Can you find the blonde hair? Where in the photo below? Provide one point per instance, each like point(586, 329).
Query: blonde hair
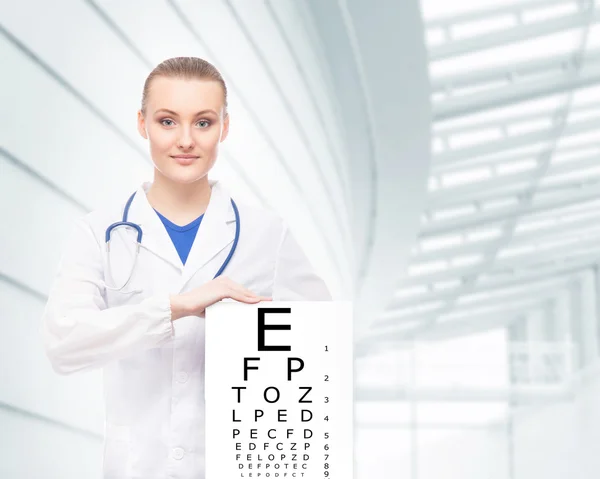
point(187, 68)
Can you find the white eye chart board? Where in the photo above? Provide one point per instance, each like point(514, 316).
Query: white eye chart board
point(279, 390)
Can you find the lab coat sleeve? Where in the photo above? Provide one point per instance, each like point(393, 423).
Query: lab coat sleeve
point(295, 278)
point(78, 331)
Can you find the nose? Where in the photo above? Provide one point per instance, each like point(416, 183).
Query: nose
point(185, 140)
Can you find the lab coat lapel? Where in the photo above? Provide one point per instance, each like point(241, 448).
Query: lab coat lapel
point(155, 236)
point(216, 231)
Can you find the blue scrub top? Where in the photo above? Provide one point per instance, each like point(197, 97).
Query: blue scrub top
point(182, 236)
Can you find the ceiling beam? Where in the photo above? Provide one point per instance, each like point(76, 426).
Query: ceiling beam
point(529, 293)
point(514, 263)
point(503, 281)
point(378, 342)
point(480, 218)
point(429, 425)
point(519, 189)
point(528, 151)
point(519, 33)
point(482, 14)
point(511, 183)
point(459, 155)
point(564, 230)
point(509, 95)
point(464, 394)
point(512, 73)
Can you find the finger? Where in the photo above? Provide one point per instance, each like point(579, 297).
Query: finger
point(244, 297)
point(252, 295)
point(251, 300)
point(262, 298)
point(258, 299)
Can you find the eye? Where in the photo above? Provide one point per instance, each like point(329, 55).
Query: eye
point(206, 122)
point(166, 119)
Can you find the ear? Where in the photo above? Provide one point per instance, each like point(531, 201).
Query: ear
point(225, 131)
point(141, 124)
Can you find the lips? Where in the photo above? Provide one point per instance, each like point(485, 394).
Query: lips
point(185, 159)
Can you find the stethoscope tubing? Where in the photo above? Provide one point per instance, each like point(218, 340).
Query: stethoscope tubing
point(140, 233)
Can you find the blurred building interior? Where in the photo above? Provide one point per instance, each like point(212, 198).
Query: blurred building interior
point(438, 161)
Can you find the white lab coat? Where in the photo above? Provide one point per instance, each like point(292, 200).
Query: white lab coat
point(153, 368)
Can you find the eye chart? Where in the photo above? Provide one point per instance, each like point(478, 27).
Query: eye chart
point(279, 390)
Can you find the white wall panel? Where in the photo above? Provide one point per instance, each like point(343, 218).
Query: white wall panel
point(330, 31)
point(260, 28)
point(66, 36)
point(36, 221)
point(377, 58)
point(31, 449)
point(58, 136)
point(307, 53)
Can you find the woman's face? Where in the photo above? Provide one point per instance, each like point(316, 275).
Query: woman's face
point(184, 124)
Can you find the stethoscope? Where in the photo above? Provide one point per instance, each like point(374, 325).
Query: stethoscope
point(138, 228)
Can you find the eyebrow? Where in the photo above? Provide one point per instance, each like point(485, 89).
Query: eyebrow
point(171, 112)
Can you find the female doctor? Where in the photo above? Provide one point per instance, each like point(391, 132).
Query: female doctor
point(144, 325)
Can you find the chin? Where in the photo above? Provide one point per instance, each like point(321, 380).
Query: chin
point(185, 175)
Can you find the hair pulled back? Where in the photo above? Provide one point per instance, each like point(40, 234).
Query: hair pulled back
point(188, 68)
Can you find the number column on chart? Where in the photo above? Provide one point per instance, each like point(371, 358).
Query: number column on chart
point(327, 413)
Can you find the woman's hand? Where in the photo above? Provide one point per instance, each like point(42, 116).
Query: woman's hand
point(194, 302)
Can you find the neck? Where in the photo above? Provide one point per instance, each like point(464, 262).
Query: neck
point(181, 203)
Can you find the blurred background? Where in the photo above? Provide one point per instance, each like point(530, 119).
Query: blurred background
point(438, 161)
